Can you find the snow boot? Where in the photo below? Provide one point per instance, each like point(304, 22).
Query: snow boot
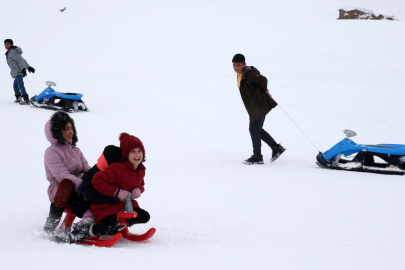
point(86, 221)
point(18, 98)
point(51, 224)
point(26, 100)
point(78, 232)
point(75, 233)
point(143, 217)
point(277, 151)
point(254, 159)
point(52, 221)
point(131, 221)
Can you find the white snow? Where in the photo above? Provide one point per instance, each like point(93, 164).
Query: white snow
point(162, 70)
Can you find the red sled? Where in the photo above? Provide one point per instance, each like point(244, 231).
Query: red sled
point(107, 240)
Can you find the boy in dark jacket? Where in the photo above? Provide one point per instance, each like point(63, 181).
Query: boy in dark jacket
point(18, 69)
point(258, 103)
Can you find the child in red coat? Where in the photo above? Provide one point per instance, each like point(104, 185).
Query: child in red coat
point(117, 181)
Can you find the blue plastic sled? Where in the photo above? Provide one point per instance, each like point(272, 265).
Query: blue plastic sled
point(350, 156)
point(49, 99)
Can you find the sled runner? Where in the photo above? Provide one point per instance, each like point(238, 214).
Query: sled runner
point(49, 99)
point(350, 156)
point(109, 240)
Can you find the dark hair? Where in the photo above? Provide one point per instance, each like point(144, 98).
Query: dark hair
point(59, 121)
point(238, 58)
point(9, 41)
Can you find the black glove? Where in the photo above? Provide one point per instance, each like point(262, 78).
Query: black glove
point(24, 72)
point(31, 70)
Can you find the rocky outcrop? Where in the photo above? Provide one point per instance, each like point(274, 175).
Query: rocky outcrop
point(358, 14)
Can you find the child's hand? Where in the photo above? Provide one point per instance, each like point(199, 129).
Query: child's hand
point(136, 193)
point(122, 195)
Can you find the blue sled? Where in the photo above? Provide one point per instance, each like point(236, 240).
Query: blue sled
point(391, 157)
point(49, 99)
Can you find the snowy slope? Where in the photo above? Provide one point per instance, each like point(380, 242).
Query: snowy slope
point(162, 71)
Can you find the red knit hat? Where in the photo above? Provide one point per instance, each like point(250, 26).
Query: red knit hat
point(128, 143)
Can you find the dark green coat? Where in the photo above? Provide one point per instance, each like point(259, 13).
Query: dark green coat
point(253, 90)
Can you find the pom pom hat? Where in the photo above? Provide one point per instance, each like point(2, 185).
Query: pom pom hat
point(128, 143)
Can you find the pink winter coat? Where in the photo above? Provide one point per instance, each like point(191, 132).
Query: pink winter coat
point(62, 161)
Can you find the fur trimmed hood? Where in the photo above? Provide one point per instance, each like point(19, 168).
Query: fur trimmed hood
point(53, 128)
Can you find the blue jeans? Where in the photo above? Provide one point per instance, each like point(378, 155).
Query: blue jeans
point(19, 85)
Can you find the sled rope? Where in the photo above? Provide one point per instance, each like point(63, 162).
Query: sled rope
point(299, 128)
point(31, 86)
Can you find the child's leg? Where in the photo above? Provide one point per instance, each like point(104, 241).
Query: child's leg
point(79, 205)
point(20, 82)
point(109, 226)
point(87, 219)
point(15, 87)
point(143, 217)
point(60, 201)
point(55, 214)
point(63, 193)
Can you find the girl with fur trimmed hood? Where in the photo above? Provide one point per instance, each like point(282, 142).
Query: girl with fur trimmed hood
point(64, 165)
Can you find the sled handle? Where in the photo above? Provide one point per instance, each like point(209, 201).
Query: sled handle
point(128, 203)
point(349, 133)
point(50, 83)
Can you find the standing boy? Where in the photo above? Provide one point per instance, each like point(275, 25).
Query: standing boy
point(258, 102)
point(18, 67)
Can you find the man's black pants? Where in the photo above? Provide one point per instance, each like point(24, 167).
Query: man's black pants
point(257, 133)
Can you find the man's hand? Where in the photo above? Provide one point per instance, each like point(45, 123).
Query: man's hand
point(24, 72)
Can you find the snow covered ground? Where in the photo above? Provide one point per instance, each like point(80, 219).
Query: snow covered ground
point(162, 71)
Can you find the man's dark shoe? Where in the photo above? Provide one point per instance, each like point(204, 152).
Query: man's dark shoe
point(277, 151)
point(25, 100)
point(255, 159)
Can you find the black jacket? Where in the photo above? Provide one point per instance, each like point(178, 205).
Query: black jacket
point(253, 90)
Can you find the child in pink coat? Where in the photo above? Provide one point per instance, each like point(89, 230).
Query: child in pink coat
point(64, 165)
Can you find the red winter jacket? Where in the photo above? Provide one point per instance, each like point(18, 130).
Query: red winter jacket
point(116, 176)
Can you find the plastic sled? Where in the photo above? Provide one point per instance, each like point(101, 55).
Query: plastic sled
point(49, 99)
point(350, 156)
point(108, 240)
